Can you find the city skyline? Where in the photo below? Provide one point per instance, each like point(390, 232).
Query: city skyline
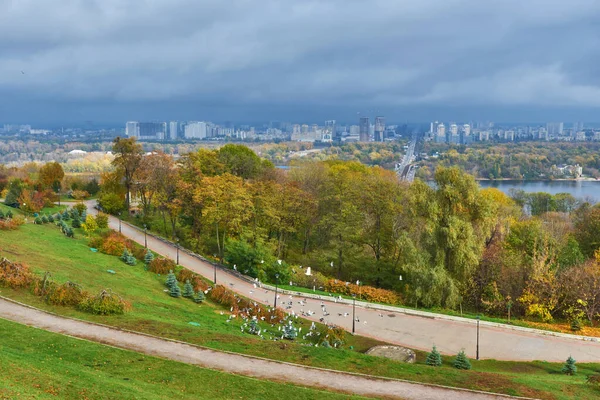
point(300, 60)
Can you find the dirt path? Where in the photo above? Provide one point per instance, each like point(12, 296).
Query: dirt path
point(234, 363)
point(417, 332)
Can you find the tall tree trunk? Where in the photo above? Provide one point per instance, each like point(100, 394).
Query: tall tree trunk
point(165, 224)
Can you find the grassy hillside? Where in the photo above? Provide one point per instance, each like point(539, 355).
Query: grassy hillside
point(44, 248)
point(36, 364)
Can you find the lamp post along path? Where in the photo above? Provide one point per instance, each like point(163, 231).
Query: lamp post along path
point(353, 313)
point(477, 350)
point(276, 283)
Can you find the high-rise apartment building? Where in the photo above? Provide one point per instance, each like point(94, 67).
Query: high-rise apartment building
point(173, 130)
point(379, 129)
point(196, 130)
point(146, 130)
point(440, 134)
point(132, 129)
point(330, 128)
point(364, 128)
point(554, 128)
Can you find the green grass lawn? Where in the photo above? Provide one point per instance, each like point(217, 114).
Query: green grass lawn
point(44, 248)
point(35, 364)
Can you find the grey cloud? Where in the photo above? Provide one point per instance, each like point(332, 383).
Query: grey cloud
point(336, 52)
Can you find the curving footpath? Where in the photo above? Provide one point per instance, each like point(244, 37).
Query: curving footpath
point(449, 334)
point(234, 363)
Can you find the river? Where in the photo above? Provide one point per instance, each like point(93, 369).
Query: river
point(588, 190)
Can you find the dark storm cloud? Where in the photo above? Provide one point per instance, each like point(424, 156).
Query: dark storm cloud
point(339, 52)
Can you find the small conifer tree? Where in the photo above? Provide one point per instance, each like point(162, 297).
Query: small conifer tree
point(37, 221)
point(576, 324)
point(175, 291)
point(461, 361)
point(569, 367)
point(199, 297)
point(66, 215)
point(253, 327)
point(76, 222)
point(131, 260)
point(9, 214)
point(58, 217)
point(148, 257)
point(171, 279)
point(50, 219)
point(44, 219)
point(70, 233)
point(289, 332)
point(434, 358)
point(188, 289)
point(125, 254)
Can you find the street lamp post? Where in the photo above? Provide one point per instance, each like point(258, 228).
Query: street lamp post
point(177, 247)
point(276, 282)
point(477, 351)
point(353, 313)
point(119, 215)
point(145, 236)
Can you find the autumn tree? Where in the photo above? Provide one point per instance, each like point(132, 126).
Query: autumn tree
point(227, 204)
point(51, 176)
point(128, 157)
point(154, 175)
point(112, 195)
point(379, 204)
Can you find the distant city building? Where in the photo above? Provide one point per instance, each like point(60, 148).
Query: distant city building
point(467, 129)
point(173, 130)
point(146, 130)
point(354, 130)
point(440, 134)
point(331, 129)
point(379, 129)
point(554, 128)
point(132, 129)
point(364, 128)
point(195, 130)
point(453, 129)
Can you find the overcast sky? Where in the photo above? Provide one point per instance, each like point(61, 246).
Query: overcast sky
point(299, 60)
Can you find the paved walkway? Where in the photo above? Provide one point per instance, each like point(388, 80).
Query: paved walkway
point(416, 332)
point(233, 363)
